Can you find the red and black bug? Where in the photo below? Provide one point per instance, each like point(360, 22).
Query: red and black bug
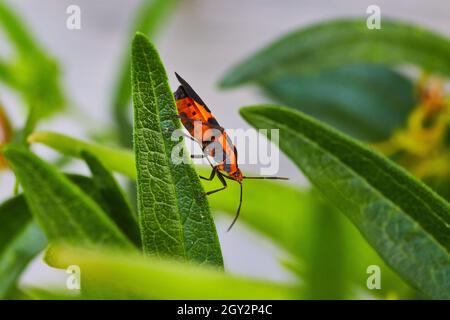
point(213, 139)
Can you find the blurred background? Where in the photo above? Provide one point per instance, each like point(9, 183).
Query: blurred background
point(200, 40)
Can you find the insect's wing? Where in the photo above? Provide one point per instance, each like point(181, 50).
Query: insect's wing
point(190, 92)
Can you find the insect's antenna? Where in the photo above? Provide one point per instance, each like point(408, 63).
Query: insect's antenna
point(238, 211)
point(267, 178)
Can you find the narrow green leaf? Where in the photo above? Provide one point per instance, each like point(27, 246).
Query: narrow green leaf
point(406, 222)
point(20, 241)
point(339, 42)
point(6, 75)
point(16, 31)
point(87, 185)
point(117, 205)
point(151, 278)
point(116, 159)
point(173, 210)
point(150, 16)
point(366, 101)
point(63, 211)
point(31, 72)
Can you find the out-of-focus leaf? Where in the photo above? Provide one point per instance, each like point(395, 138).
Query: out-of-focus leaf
point(150, 16)
point(365, 101)
point(405, 222)
point(152, 278)
point(173, 211)
point(16, 31)
point(34, 293)
point(62, 210)
point(6, 75)
point(339, 42)
point(6, 133)
point(20, 241)
point(292, 218)
point(31, 72)
point(117, 205)
point(16, 293)
point(116, 159)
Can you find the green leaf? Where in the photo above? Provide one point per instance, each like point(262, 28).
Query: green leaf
point(62, 210)
point(152, 278)
point(366, 101)
point(31, 72)
point(16, 31)
point(333, 43)
point(150, 16)
point(173, 211)
point(116, 203)
point(405, 222)
point(116, 159)
point(340, 256)
point(34, 293)
point(20, 241)
point(6, 75)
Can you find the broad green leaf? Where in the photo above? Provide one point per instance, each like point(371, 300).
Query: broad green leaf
point(173, 211)
point(20, 241)
point(116, 203)
point(333, 43)
point(405, 222)
point(366, 101)
point(116, 159)
point(63, 211)
point(152, 278)
point(150, 16)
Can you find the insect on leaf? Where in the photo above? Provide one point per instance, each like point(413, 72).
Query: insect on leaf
point(173, 211)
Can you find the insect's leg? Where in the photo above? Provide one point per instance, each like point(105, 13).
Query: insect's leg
point(211, 176)
point(238, 210)
point(224, 183)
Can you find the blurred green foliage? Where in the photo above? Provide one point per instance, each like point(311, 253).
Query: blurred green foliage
point(337, 71)
point(31, 72)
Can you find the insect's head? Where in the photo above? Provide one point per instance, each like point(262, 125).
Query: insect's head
point(237, 175)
